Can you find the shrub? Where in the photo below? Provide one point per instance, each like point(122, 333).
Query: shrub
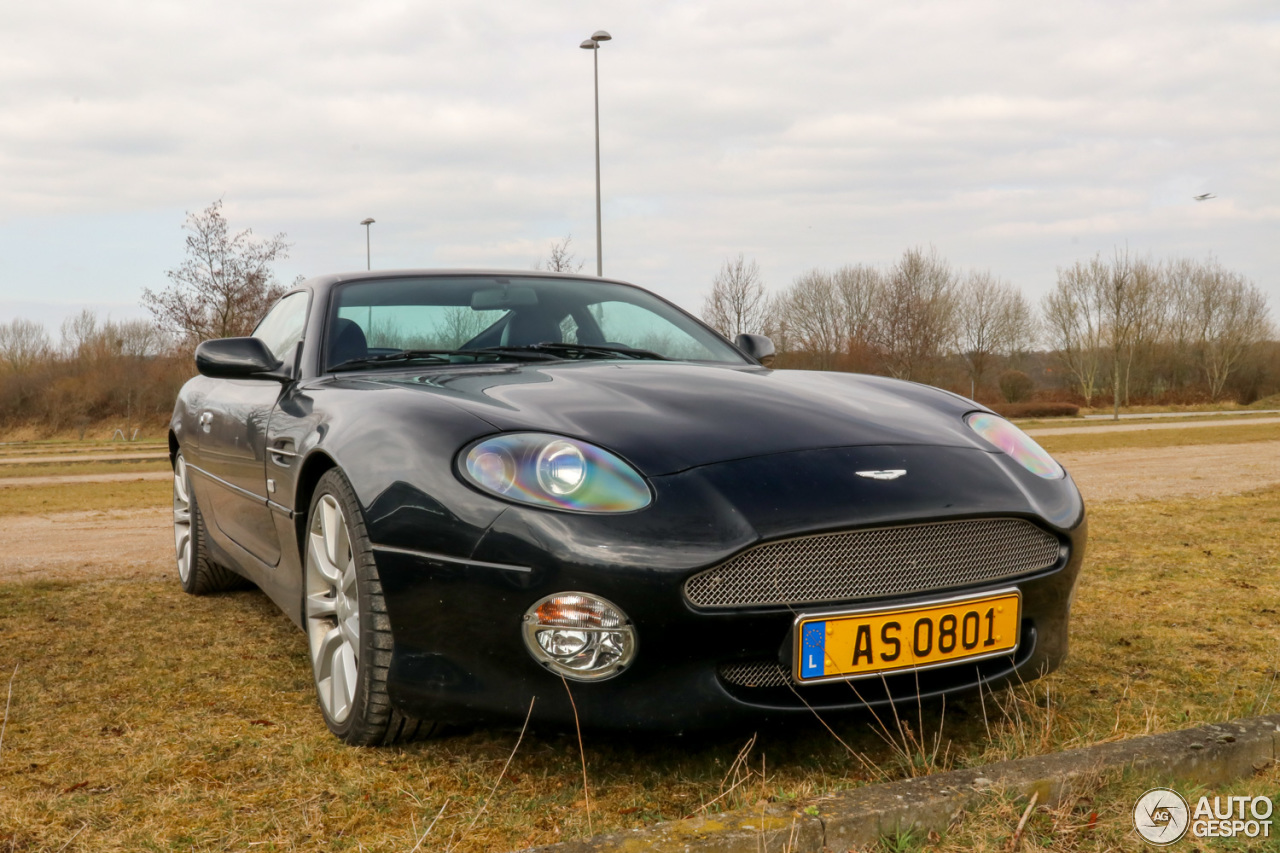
point(1016, 386)
point(1037, 410)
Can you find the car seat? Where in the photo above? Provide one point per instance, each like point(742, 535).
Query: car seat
point(527, 328)
point(348, 342)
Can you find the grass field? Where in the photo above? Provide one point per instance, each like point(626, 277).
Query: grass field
point(144, 719)
point(60, 469)
point(69, 497)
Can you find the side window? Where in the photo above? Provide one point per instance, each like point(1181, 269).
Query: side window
point(284, 324)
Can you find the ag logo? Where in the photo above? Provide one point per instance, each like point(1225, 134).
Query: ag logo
point(889, 474)
point(1161, 816)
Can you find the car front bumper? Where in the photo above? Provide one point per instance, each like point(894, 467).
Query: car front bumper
point(459, 654)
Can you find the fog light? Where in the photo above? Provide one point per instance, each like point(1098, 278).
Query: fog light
point(579, 636)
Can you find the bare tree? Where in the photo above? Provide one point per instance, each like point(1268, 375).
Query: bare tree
point(1181, 333)
point(80, 334)
point(459, 325)
point(992, 319)
point(815, 320)
point(1116, 297)
point(738, 302)
point(225, 284)
point(136, 338)
point(1231, 318)
point(560, 258)
point(1073, 320)
point(859, 288)
point(1145, 309)
point(23, 343)
point(916, 315)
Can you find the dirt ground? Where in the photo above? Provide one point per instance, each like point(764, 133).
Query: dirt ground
point(1150, 473)
point(128, 544)
point(120, 544)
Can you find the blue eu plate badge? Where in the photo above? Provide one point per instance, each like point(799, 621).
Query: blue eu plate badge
point(813, 650)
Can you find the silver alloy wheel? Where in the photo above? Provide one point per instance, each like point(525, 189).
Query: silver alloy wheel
point(333, 609)
point(182, 518)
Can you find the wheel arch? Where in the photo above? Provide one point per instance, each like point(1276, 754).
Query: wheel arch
point(313, 468)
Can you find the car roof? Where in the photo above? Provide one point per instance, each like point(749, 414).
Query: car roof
point(330, 279)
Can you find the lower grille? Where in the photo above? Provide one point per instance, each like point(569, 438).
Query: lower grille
point(877, 562)
point(754, 674)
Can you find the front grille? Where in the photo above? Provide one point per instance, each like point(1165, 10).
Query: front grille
point(754, 674)
point(874, 563)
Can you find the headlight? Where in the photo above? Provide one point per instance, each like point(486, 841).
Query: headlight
point(553, 471)
point(579, 636)
point(1016, 443)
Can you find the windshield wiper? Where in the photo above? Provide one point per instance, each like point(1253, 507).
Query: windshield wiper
point(533, 352)
point(443, 356)
point(580, 351)
point(403, 355)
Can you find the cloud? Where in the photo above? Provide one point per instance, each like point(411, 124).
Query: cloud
point(1011, 136)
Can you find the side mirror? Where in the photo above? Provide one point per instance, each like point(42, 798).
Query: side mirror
point(237, 358)
point(758, 347)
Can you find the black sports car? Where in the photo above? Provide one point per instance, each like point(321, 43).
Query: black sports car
point(473, 488)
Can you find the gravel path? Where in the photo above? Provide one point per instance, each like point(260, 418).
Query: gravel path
point(1146, 473)
point(138, 543)
point(118, 544)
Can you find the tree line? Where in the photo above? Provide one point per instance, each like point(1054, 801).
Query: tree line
point(1115, 330)
point(129, 372)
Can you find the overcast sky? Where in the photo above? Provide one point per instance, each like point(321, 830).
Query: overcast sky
point(1009, 135)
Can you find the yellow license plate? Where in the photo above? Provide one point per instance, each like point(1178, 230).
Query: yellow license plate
point(871, 642)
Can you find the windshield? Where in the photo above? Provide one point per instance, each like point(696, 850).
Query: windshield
point(464, 319)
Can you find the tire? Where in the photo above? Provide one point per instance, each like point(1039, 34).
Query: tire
point(348, 633)
point(196, 572)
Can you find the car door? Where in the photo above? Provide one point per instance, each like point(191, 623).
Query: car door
point(233, 438)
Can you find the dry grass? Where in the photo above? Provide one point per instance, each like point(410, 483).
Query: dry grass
point(153, 429)
point(61, 469)
point(144, 719)
point(1229, 434)
point(70, 497)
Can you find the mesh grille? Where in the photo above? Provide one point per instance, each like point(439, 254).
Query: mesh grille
point(873, 563)
point(758, 674)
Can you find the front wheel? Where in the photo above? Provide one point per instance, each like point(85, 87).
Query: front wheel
point(348, 632)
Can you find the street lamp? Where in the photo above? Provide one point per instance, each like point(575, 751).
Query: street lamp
point(368, 262)
point(593, 44)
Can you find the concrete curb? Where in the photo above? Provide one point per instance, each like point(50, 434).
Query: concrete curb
point(1210, 755)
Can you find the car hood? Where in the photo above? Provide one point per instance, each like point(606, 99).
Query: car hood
point(665, 417)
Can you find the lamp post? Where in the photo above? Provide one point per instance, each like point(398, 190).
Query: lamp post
point(368, 258)
point(593, 44)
